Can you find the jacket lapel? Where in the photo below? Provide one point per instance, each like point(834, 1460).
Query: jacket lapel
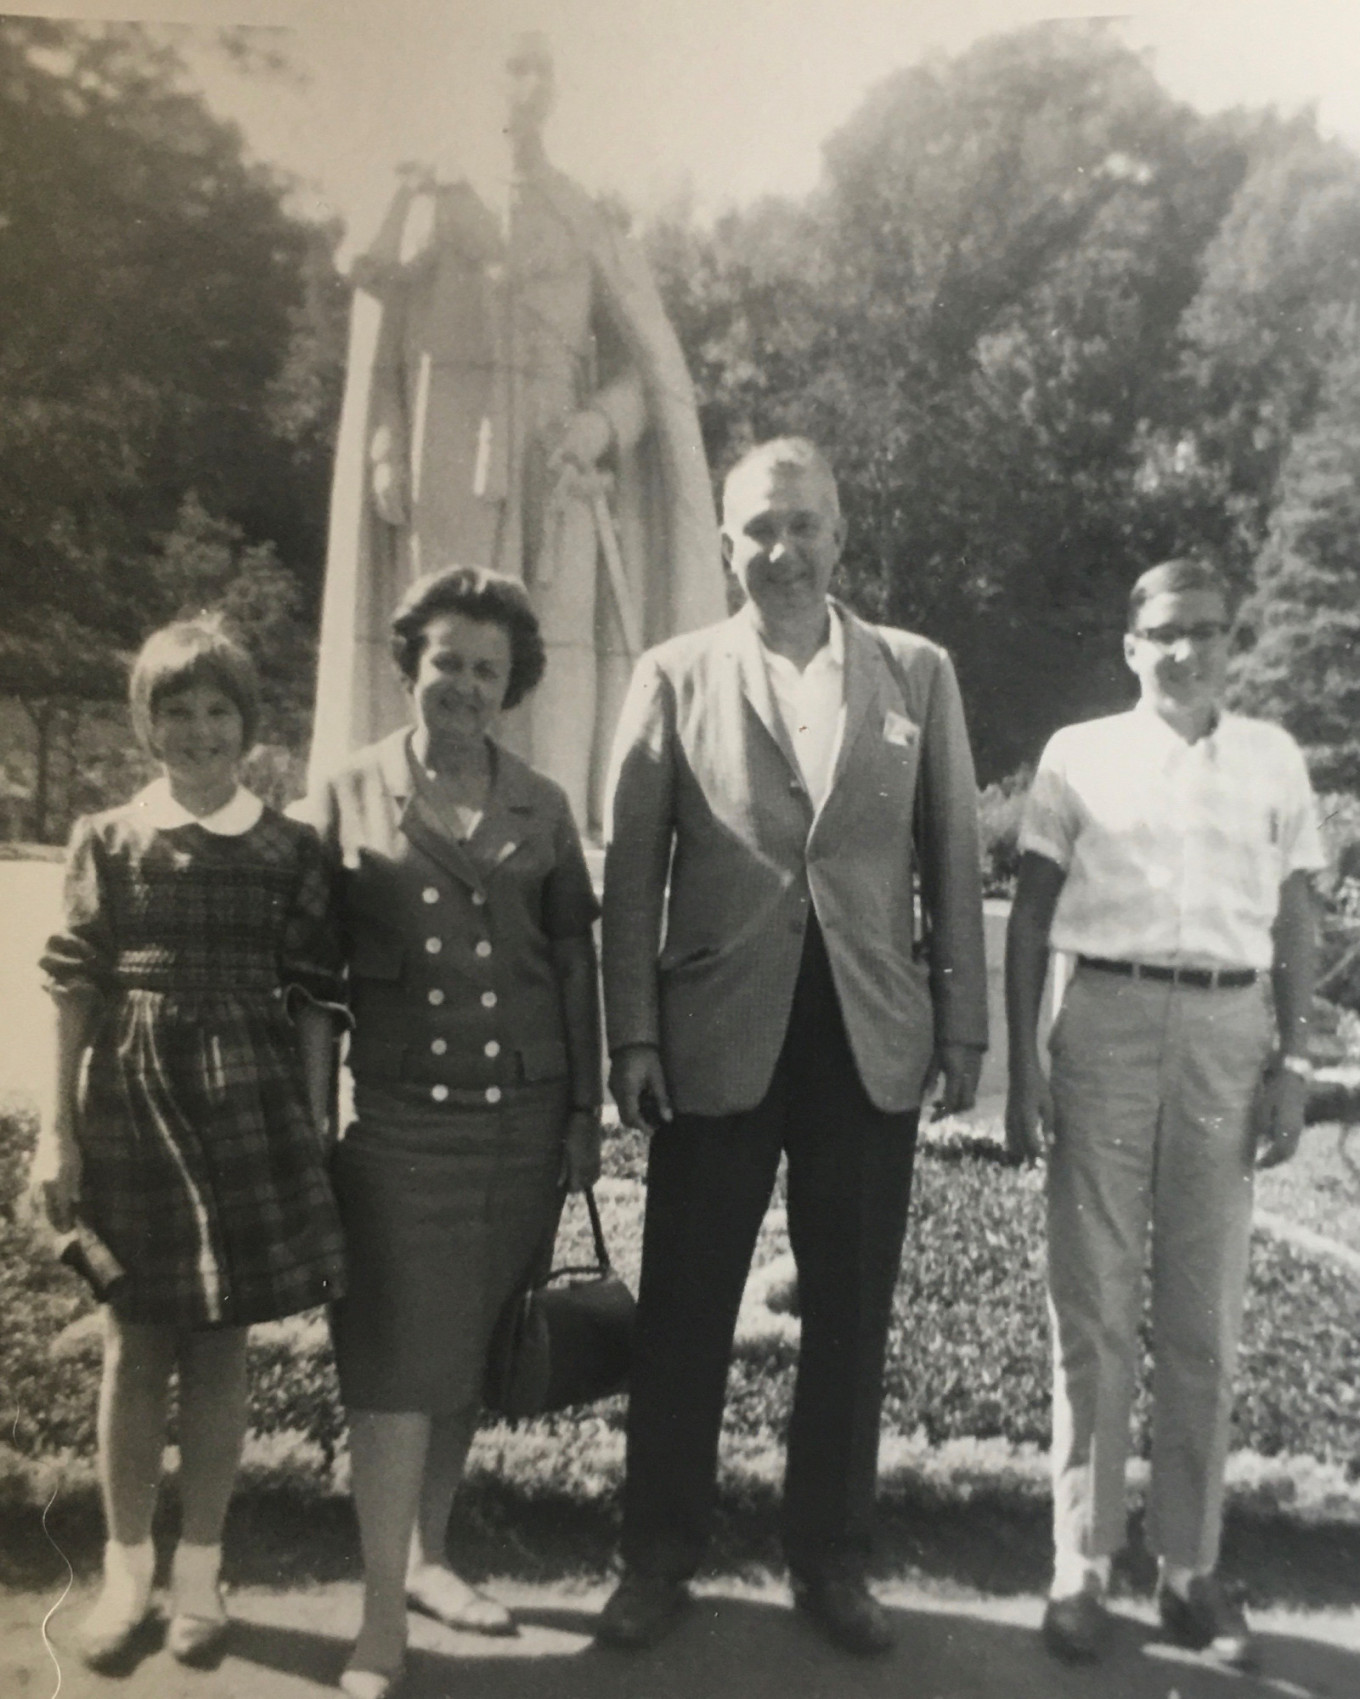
point(864, 682)
point(868, 692)
point(511, 811)
point(414, 818)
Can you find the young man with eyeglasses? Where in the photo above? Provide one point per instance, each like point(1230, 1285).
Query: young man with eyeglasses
point(1168, 850)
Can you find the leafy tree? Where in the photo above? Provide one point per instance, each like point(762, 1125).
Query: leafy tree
point(980, 315)
point(1303, 619)
point(1281, 280)
point(205, 566)
point(163, 325)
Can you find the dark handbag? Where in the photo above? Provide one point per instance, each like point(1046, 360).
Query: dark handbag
point(556, 1345)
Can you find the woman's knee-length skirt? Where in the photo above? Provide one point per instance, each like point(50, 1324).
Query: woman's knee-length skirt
point(445, 1214)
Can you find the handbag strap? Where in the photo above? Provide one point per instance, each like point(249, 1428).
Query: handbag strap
point(597, 1231)
point(602, 1262)
point(546, 1271)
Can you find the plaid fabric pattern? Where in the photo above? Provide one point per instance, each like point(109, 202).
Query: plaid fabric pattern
point(202, 1170)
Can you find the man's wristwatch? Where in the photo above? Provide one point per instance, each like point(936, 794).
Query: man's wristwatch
point(1299, 1065)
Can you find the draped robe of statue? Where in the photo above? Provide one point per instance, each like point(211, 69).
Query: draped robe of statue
point(469, 351)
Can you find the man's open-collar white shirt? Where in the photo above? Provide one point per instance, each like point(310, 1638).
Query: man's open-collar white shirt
point(812, 706)
point(1174, 851)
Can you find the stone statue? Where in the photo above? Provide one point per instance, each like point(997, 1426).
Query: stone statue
point(517, 399)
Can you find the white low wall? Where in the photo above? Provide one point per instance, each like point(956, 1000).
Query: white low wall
point(30, 909)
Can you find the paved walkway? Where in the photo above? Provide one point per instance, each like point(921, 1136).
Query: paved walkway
point(742, 1641)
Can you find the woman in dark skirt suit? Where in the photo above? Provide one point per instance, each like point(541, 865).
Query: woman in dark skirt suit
point(466, 916)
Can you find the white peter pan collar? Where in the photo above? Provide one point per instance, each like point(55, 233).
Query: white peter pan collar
point(158, 808)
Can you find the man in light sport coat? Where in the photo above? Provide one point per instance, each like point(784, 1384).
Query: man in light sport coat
point(778, 781)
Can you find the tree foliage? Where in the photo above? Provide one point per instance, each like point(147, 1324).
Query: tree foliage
point(1281, 281)
point(151, 285)
point(1052, 326)
point(1303, 618)
point(166, 327)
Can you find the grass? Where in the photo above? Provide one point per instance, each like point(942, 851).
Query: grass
point(1320, 1188)
point(965, 1415)
point(968, 1353)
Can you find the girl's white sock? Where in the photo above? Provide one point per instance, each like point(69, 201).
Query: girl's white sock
point(193, 1581)
point(126, 1594)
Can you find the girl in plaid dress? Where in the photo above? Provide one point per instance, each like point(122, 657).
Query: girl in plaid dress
point(194, 984)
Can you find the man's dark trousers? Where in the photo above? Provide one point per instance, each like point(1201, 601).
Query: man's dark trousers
point(709, 1181)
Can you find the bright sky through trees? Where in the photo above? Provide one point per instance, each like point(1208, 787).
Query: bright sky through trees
point(728, 99)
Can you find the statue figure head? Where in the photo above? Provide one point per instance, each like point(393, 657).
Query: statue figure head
point(529, 80)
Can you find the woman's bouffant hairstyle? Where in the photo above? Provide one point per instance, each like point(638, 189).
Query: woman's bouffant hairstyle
point(487, 597)
point(190, 652)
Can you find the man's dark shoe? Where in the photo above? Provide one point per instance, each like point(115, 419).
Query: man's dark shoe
point(1210, 1620)
point(641, 1611)
point(1077, 1626)
point(847, 1613)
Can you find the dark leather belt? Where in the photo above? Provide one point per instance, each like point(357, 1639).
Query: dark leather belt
point(1202, 978)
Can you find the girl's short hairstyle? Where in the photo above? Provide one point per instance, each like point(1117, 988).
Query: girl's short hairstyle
point(190, 652)
point(488, 597)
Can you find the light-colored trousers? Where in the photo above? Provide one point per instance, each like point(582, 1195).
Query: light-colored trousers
point(1154, 1088)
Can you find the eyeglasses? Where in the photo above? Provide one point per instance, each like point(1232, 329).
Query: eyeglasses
point(1168, 636)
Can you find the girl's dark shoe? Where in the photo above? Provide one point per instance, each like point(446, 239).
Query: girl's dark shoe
point(1077, 1626)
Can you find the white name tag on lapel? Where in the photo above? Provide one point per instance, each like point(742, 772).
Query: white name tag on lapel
point(898, 729)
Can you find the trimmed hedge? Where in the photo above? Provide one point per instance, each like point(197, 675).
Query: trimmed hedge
point(1000, 806)
point(968, 1354)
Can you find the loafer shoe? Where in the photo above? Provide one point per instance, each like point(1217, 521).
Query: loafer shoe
point(196, 1640)
point(641, 1611)
point(847, 1613)
point(1210, 1619)
point(105, 1640)
point(1077, 1627)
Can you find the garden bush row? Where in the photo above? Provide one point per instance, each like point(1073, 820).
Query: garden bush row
point(968, 1353)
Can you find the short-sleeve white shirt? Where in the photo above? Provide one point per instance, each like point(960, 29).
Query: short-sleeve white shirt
point(1174, 852)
